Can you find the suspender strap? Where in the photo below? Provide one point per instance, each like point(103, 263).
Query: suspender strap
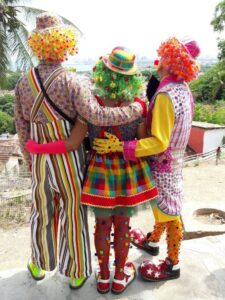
point(114, 128)
point(56, 108)
point(35, 87)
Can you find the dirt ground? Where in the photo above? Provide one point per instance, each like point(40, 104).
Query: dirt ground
point(204, 186)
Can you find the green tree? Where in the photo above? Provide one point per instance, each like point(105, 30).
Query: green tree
point(218, 24)
point(210, 86)
point(6, 123)
point(11, 80)
point(13, 34)
point(7, 104)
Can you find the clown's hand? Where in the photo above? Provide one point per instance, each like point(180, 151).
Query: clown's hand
point(109, 145)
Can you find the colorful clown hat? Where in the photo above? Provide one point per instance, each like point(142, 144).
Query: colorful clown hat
point(179, 57)
point(121, 60)
point(52, 40)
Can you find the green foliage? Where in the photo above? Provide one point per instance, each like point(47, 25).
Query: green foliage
point(218, 21)
point(6, 123)
point(11, 80)
point(115, 86)
point(218, 24)
point(210, 113)
point(13, 35)
point(7, 103)
point(221, 46)
point(210, 86)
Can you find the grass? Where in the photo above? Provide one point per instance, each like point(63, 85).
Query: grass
point(14, 212)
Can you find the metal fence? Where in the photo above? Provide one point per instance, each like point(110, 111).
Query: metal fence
point(203, 157)
point(15, 189)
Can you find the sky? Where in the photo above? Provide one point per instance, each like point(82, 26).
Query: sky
point(140, 25)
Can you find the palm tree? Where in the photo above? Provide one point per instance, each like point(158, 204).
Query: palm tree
point(13, 34)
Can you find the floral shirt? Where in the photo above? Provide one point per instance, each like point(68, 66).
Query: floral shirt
point(72, 94)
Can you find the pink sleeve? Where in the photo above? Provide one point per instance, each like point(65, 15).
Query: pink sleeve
point(22, 126)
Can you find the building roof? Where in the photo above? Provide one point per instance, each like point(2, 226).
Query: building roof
point(9, 147)
point(205, 125)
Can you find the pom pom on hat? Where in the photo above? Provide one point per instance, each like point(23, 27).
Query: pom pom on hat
point(156, 62)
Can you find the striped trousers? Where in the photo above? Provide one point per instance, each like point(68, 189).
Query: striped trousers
point(56, 190)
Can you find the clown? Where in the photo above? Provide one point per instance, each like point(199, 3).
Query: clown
point(48, 101)
point(168, 123)
point(113, 187)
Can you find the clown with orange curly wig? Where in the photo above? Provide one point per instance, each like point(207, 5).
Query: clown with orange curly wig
point(168, 123)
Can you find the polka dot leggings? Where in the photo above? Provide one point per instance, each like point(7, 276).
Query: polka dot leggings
point(121, 243)
point(174, 237)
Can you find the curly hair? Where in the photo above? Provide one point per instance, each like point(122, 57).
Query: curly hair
point(175, 57)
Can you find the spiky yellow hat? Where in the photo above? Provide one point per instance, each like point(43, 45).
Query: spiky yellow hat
point(52, 40)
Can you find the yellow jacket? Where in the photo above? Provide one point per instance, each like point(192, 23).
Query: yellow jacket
point(163, 119)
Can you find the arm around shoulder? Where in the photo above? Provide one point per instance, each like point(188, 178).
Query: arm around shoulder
point(162, 124)
point(88, 107)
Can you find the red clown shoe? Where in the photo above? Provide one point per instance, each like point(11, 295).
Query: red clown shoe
point(119, 286)
point(103, 285)
point(164, 270)
point(140, 240)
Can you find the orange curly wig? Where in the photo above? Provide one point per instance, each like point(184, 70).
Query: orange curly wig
point(174, 56)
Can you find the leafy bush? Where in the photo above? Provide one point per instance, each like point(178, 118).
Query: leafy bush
point(7, 103)
point(7, 123)
point(11, 80)
point(211, 85)
point(210, 113)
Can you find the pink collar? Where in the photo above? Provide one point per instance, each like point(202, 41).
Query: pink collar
point(166, 80)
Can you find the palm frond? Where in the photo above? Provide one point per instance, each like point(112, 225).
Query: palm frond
point(30, 13)
point(19, 48)
point(4, 61)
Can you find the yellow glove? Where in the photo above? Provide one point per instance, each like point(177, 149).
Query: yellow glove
point(109, 145)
